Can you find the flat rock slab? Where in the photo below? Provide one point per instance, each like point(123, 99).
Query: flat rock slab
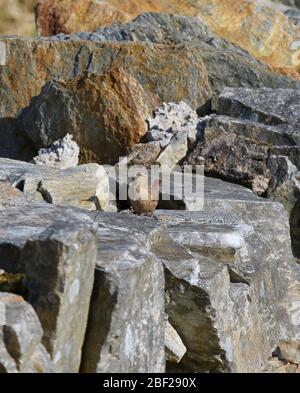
point(84, 186)
point(60, 242)
point(267, 106)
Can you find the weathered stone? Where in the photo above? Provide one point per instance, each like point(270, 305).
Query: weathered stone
point(85, 186)
point(257, 147)
point(144, 153)
point(127, 322)
point(175, 151)
point(62, 154)
point(234, 20)
point(169, 119)
point(10, 195)
point(250, 287)
point(20, 338)
point(62, 241)
point(105, 114)
point(269, 106)
point(175, 349)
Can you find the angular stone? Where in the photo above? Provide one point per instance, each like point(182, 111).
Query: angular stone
point(61, 241)
point(250, 281)
point(269, 106)
point(85, 186)
point(20, 338)
point(105, 114)
point(175, 151)
point(61, 154)
point(127, 322)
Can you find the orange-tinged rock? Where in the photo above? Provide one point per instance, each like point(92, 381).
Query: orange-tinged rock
point(266, 33)
point(105, 114)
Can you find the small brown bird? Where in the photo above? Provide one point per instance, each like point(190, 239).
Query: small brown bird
point(143, 196)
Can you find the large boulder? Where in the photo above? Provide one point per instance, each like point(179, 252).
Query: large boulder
point(254, 141)
point(105, 114)
point(237, 230)
point(135, 76)
point(60, 242)
point(126, 328)
point(234, 20)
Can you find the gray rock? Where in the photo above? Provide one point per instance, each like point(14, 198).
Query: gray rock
point(267, 106)
point(85, 186)
point(251, 287)
point(175, 151)
point(20, 338)
point(169, 119)
point(258, 146)
point(62, 154)
point(126, 323)
point(60, 242)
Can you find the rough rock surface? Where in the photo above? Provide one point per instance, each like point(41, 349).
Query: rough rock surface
point(127, 334)
point(20, 338)
point(254, 141)
point(61, 241)
point(263, 31)
point(85, 186)
point(170, 118)
point(105, 114)
point(251, 223)
point(62, 154)
point(194, 70)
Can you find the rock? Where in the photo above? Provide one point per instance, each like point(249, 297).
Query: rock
point(289, 351)
point(233, 158)
point(175, 151)
point(20, 338)
point(257, 146)
point(61, 154)
point(227, 65)
point(169, 119)
point(85, 186)
point(195, 71)
point(54, 16)
point(105, 114)
point(268, 106)
point(127, 335)
point(175, 349)
point(238, 210)
point(10, 195)
point(234, 20)
point(144, 153)
point(61, 242)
